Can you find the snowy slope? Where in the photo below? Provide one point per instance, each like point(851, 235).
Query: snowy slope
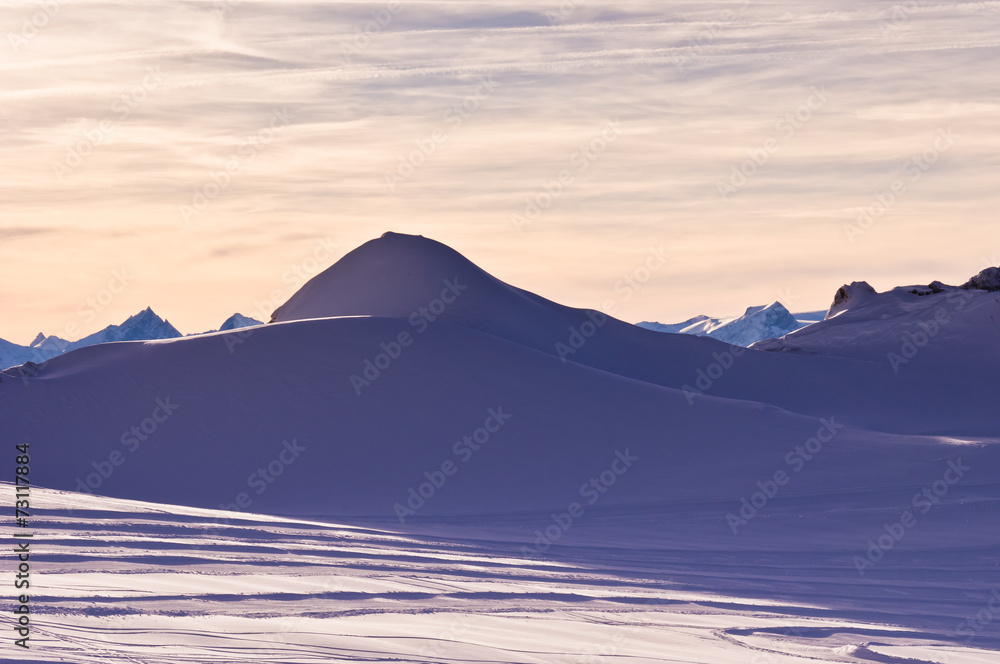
point(696, 325)
point(809, 317)
point(905, 326)
point(445, 413)
point(144, 582)
point(293, 382)
point(405, 277)
point(756, 323)
point(387, 396)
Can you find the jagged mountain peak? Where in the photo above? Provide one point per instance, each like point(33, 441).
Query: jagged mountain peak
point(848, 295)
point(237, 321)
point(987, 280)
point(144, 325)
point(758, 322)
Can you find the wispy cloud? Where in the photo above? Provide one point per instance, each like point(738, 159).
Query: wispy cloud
point(354, 112)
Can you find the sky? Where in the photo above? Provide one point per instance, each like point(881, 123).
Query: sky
point(205, 157)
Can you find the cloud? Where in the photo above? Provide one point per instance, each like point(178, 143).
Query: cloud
point(698, 89)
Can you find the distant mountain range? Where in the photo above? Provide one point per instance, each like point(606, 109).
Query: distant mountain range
point(143, 326)
point(756, 324)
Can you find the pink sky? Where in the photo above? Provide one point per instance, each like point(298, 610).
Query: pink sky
point(218, 153)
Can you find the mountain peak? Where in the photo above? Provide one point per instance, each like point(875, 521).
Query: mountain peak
point(848, 295)
point(238, 320)
point(394, 234)
point(760, 322)
point(764, 321)
point(987, 280)
point(421, 281)
point(392, 275)
point(143, 326)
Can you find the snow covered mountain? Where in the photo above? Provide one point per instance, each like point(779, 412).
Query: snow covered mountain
point(757, 323)
point(763, 322)
point(987, 280)
point(12, 355)
point(409, 392)
point(907, 325)
point(406, 340)
point(697, 325)
point(237, 321)
point(143, 326)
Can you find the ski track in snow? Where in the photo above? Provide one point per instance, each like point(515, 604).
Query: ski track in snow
point(137, 582)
